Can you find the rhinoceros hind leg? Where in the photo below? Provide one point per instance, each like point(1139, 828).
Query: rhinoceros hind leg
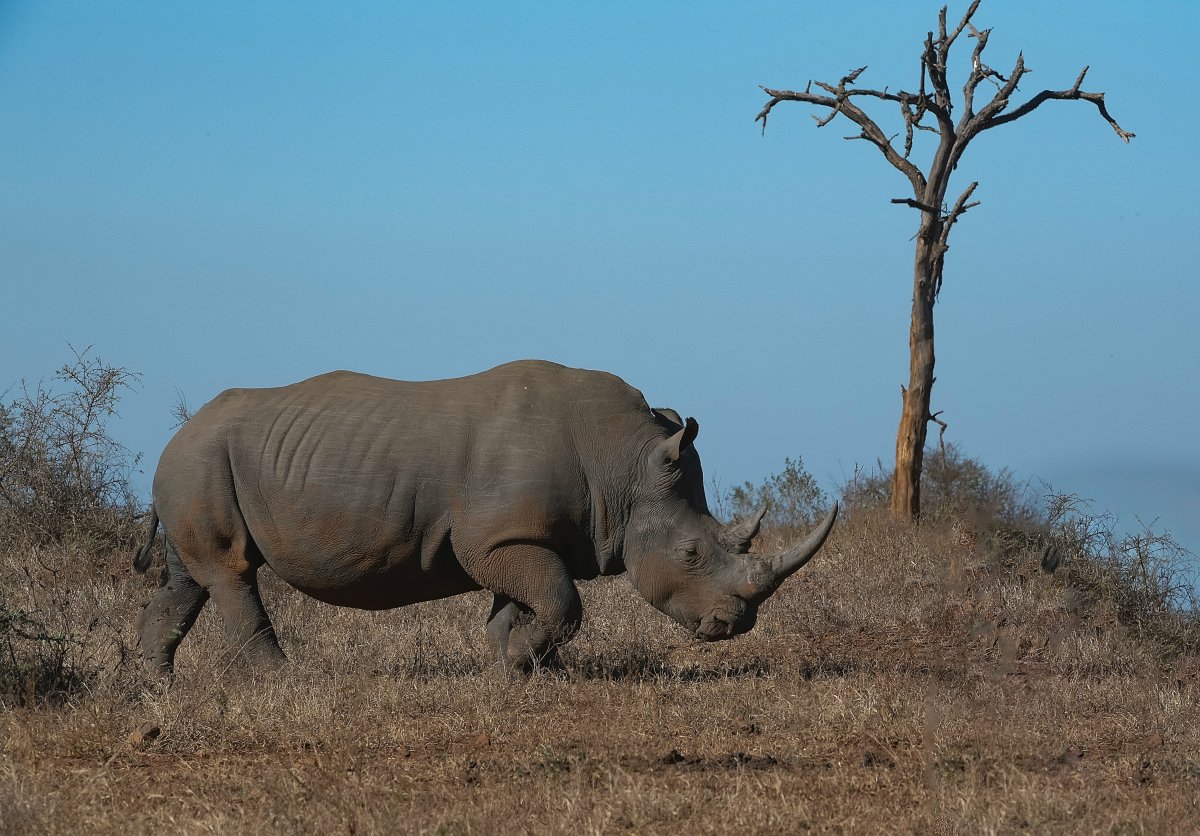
point(247, 626)
point(167, 617)
point(536, 608)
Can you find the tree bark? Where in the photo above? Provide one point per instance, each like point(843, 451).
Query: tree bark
point(914, 413)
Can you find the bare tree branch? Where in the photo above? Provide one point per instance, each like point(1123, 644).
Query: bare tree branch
point(933, 416)
point(840, 103)
point(999, 102)
point(1074, 94)
point(778, 96)
point(935, 66)
point(960, 206)
point(979, 71)
point(937, 54)
point(916, 204)
point(821, 122)
point(966, 21)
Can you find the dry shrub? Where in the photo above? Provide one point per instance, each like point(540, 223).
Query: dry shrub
point(953, 484)
point(65, 500)
point(60, 625)
point(63, 478)
point(792, 497)
point(35, 658)
point(1142, 578)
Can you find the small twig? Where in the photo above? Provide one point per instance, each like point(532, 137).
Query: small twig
point(821, 122)
point(915, 204)
point(941, 432)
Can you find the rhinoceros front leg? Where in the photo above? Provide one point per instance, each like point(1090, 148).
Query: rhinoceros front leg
point(536, 607)
point(508, 632)
point(504, 616)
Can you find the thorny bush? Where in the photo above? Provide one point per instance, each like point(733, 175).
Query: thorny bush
point(63, 478)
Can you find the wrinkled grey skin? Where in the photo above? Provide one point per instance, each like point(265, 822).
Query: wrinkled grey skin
point(374, 493)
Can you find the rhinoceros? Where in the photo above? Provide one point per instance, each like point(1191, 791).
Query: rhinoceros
point(374, 493)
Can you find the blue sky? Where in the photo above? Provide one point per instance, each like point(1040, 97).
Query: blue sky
point(226, 194)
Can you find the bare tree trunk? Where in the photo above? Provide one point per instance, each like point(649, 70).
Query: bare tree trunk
point(914, 414)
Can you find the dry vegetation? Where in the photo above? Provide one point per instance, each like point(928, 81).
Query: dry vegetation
point(932, 680)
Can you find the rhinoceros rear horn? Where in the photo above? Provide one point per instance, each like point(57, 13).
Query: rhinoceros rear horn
point(670, 449)
point(781, 565)
point(736, 537)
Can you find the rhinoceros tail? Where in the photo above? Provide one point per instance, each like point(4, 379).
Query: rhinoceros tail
point(142, 557)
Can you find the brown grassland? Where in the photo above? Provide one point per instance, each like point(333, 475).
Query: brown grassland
point(927, 679)
point(908, 680)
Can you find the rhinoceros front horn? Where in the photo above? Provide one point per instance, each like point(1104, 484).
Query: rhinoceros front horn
point(777, 568)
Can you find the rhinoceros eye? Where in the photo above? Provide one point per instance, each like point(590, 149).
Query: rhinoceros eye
point(689, 551)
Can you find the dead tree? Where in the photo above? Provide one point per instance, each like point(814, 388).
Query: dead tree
point(930, 108)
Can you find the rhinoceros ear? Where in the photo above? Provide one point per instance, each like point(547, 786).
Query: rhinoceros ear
point(670, 449)
point(669, 414)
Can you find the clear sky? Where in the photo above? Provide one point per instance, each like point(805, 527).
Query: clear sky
point(245, 194)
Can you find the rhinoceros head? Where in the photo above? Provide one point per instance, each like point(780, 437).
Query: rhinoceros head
point(686, 563)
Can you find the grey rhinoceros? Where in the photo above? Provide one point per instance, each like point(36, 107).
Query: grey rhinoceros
point(367, 492)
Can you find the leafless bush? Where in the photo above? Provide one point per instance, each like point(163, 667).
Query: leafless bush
point(1143, 575)
point(62, 620)
point(866, 490)
point(182, 412)
point(65, 502)
point(63, 477)
point(36, 661)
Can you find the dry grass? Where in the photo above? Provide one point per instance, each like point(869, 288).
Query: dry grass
point(903, 682)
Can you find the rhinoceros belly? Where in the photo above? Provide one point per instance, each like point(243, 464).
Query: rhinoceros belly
point(388, 587)
point(354, 554)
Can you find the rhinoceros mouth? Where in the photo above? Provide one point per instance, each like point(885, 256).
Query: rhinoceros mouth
point(715, 628)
